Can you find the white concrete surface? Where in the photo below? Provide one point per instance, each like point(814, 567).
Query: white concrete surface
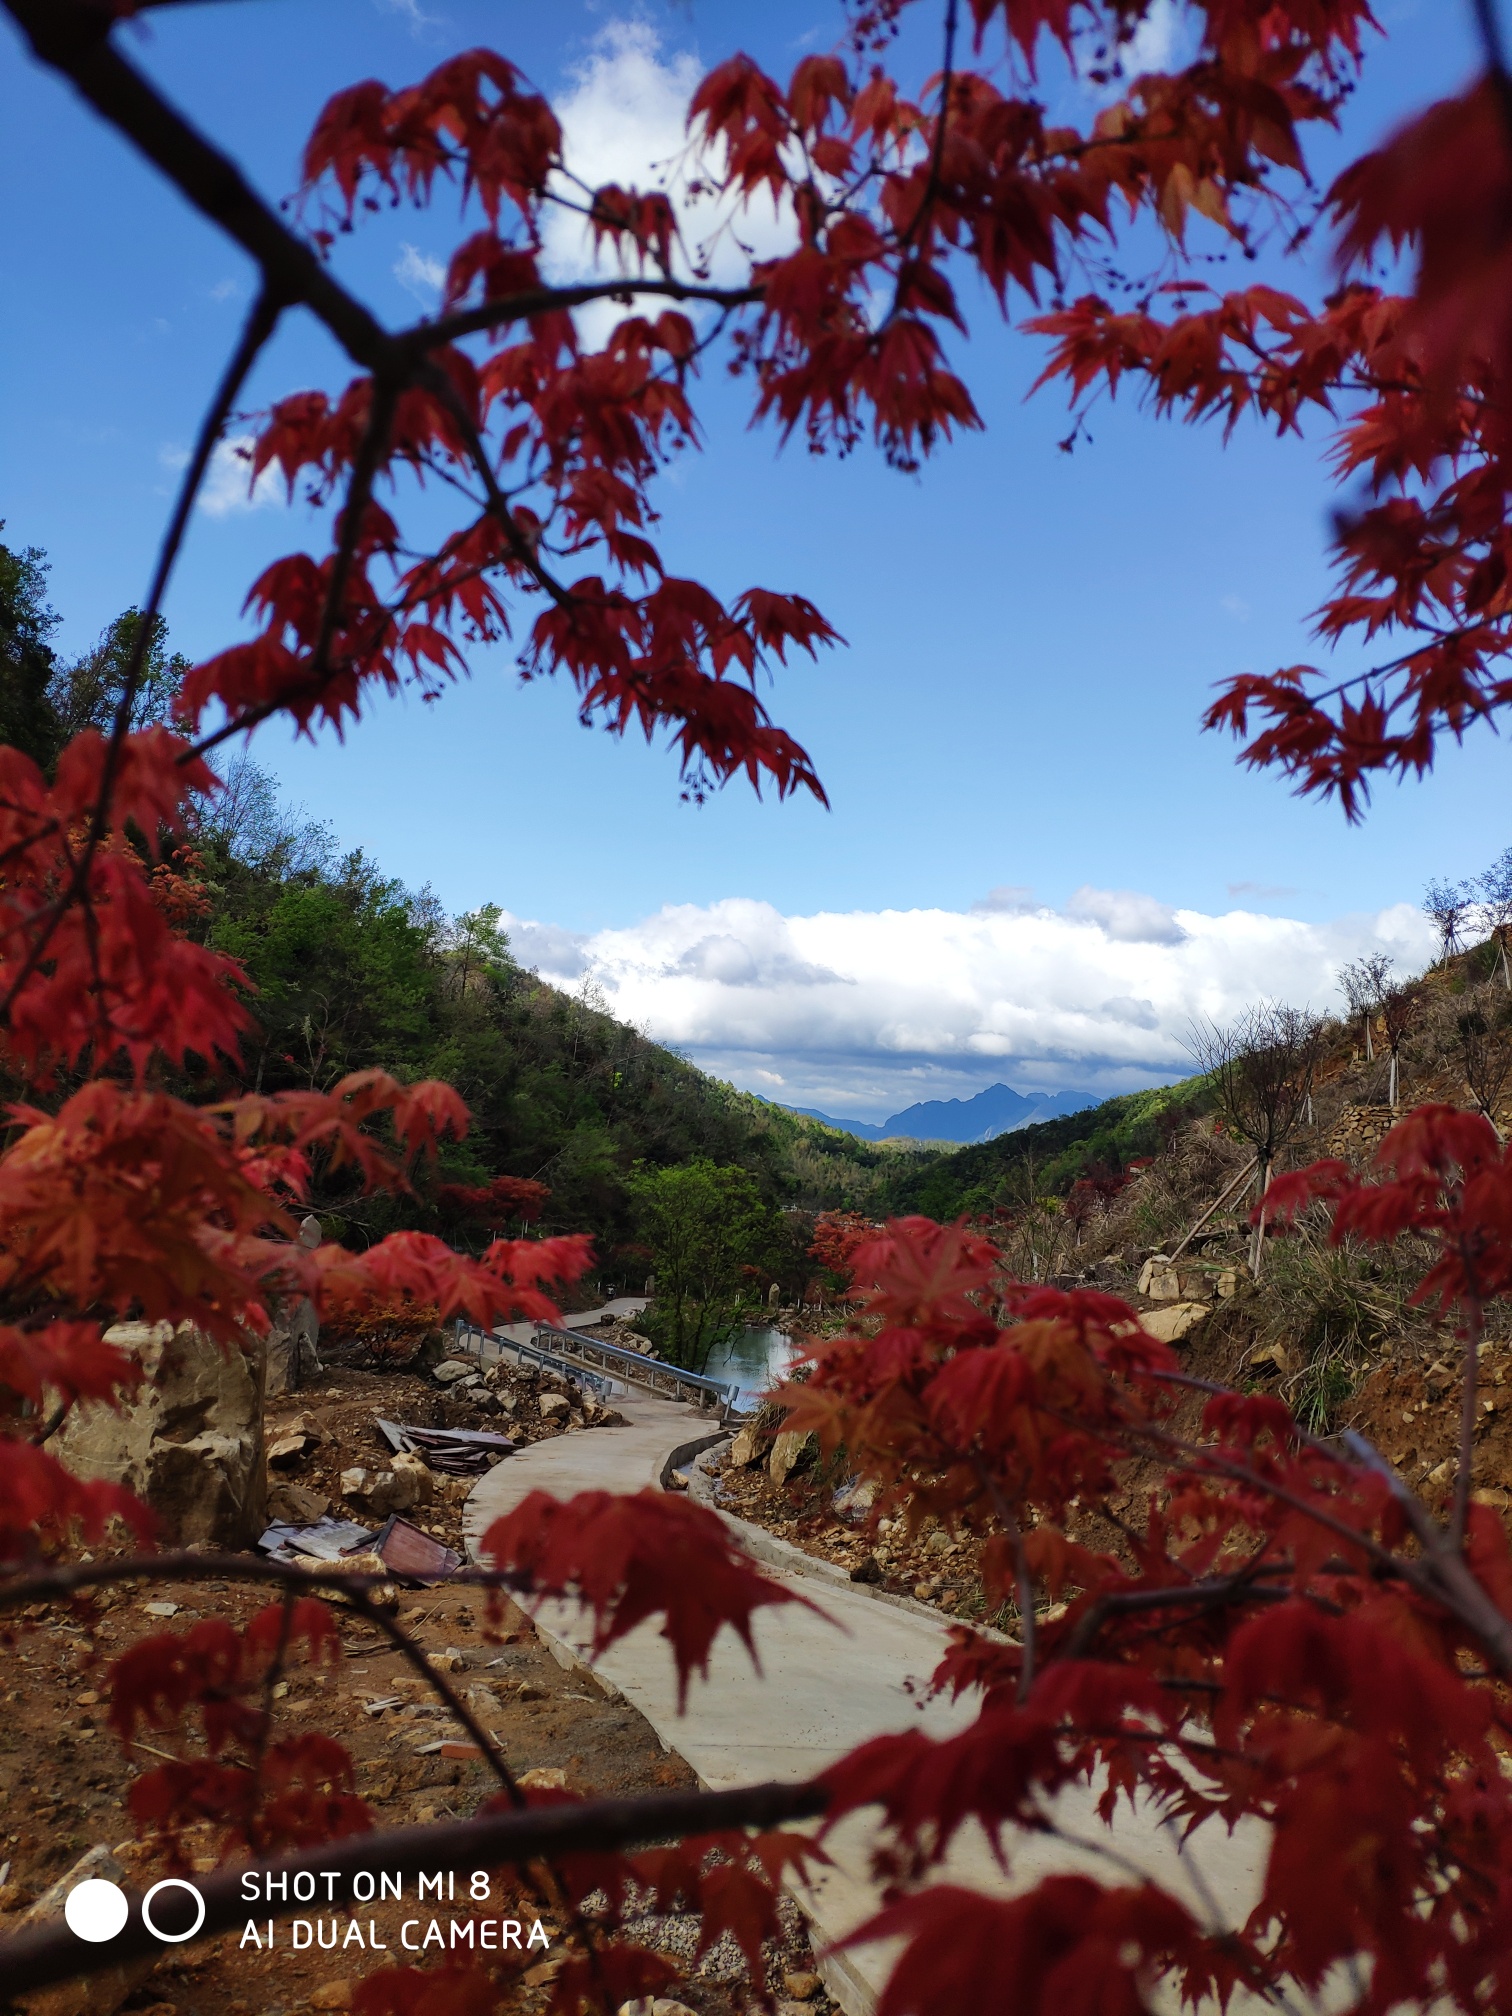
point(827, 1683)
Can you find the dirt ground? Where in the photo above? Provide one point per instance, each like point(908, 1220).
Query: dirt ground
point(64, 1779)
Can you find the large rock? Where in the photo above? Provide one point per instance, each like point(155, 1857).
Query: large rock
point(1173, 1323)
point(789, 1451)
point(400, 1488)
point(190, 1444)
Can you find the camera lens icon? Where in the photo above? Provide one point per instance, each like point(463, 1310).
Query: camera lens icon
point(96, 1910)
point(172, 1883)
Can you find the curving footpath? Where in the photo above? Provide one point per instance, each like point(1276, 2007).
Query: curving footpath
point(827, 1683)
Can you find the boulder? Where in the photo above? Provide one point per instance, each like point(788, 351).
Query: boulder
point(1171, 1324)
point(190, 1444)
point(745, 1449)
point(295, 1504)
point(419, 1475)
point(400, 1488)
point(788, 1451)
point(297, 1441)
point(554, 1406)
point(452, 1370)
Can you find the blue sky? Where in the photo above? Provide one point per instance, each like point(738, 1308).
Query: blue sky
point(1030, 636)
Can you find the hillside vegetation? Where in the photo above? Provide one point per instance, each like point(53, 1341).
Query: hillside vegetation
point(353, 970)
point(1048, 1156)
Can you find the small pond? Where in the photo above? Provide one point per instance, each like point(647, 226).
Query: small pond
point(754, 1359)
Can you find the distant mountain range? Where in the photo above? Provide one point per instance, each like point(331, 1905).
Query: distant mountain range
point(998, 1110)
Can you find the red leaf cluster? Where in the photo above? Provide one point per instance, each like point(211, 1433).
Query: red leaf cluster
point(263, 1792)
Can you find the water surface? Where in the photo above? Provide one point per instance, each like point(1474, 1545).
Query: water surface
point(754, 1359)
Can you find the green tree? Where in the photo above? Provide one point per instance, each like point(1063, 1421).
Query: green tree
point(27, 663)
point(707, 1228)
point(86, 692)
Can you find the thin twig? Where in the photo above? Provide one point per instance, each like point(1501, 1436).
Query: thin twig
point(1473, 1327)
point(1023, 1581)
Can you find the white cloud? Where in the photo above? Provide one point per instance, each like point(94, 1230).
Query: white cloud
point(412, 12)
point(420, 275)
point(1126, 915)
point(1166, 39)
point(226, 290)
point(624, 120)
point(865, 1011)
point(227, 486)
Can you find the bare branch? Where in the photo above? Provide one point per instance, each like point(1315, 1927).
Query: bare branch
point(50, 1952)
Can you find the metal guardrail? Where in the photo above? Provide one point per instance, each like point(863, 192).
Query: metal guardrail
point(637, 1369)
point(476, 1339)
point(572, 1354)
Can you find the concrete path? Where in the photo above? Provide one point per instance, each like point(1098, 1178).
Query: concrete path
point(827, 1684)
point(584, 1319)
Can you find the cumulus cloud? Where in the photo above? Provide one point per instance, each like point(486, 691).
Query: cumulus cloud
point(556, 954)
point(1125, 914)
point(624, 119)
point(865, 1011)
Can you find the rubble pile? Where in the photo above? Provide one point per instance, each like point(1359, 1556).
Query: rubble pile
point(773, 1482)
point(373, 1446)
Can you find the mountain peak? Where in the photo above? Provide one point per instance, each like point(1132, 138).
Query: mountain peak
point(997, 1109)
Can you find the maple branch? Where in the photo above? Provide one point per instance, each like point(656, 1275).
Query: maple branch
point(1496, 57)
point(937, 146)
point(493, 314)
point(1442, 1576)
point(436, 381)
point(1214, 1592)
point(50, 1952)
point(359, 491)
point(71, 36)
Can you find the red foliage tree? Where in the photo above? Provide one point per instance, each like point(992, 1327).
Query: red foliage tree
point(496, 1202)
point(837, 1235)
point(1289, 1634)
